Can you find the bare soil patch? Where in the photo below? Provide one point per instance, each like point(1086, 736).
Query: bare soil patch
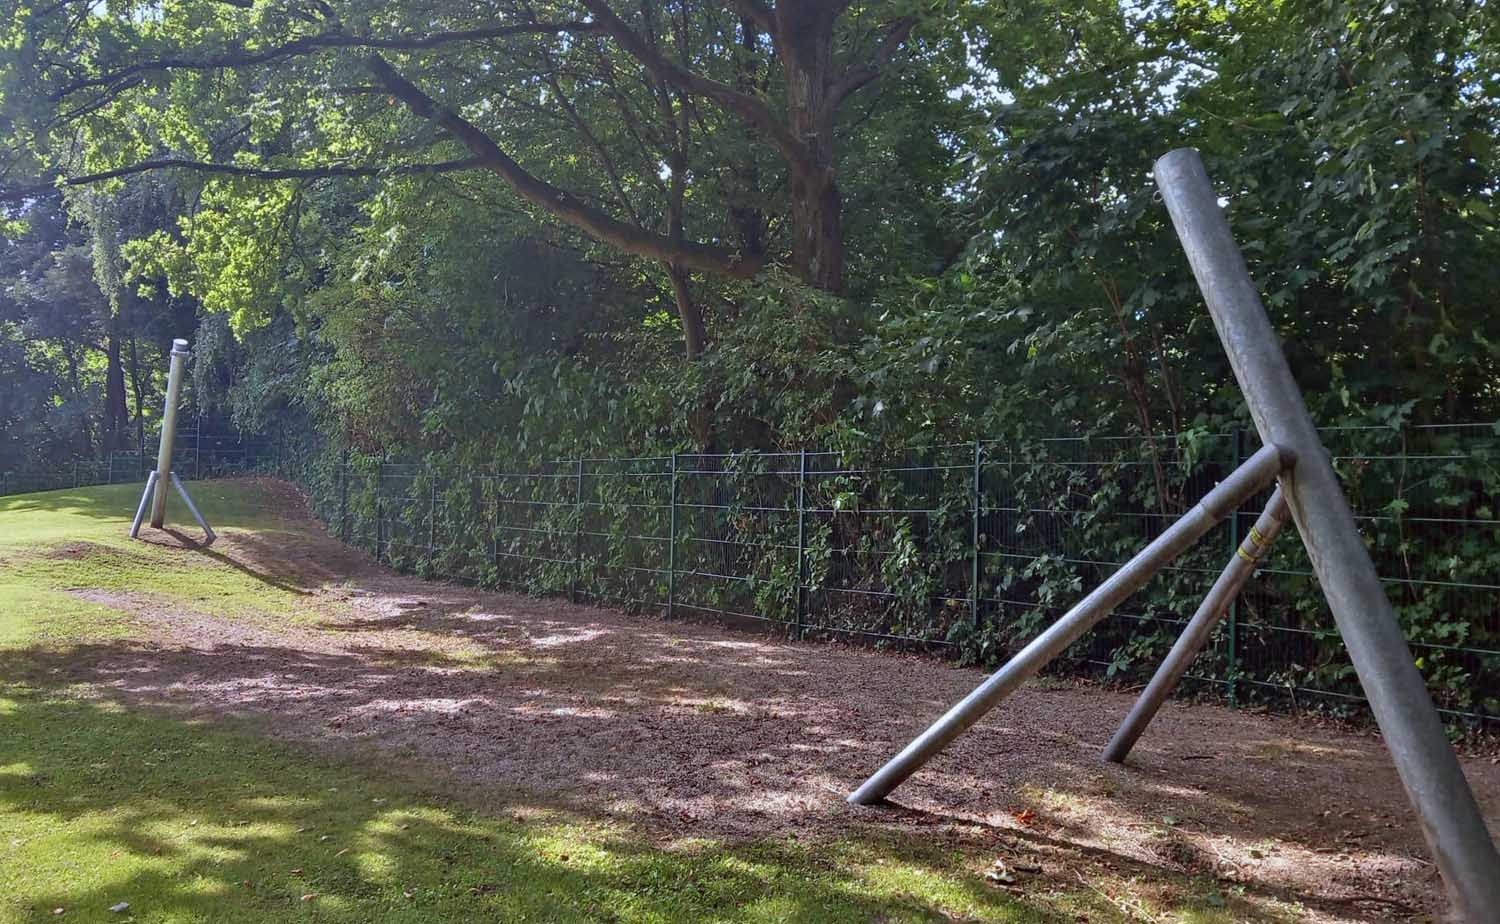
point(681, 729)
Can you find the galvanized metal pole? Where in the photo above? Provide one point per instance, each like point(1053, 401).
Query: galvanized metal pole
point(495, 532)
point(1249, 478)
point(431, 522)
point(672, 541)
point(344, 494)
point(1434, 781)
point(168, 433)
point(379, 506)
point(1231, 581)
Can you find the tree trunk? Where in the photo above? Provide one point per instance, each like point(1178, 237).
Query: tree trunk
point(818, 249)
point(805, 36)
point(116, 416)
point(140, 398)
point(694, 333)
point(746, 199)
point(85, 432)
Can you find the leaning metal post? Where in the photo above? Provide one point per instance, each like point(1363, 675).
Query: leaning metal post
point(168, 433)
point(1434, 781)
point(163, 479)
point(1258, 471)
point(1239, 569)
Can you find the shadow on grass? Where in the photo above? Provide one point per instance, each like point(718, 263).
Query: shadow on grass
point(187, 823)
point(494, 732)
point(289, 580)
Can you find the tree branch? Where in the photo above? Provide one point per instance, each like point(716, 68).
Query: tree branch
point(37, 191)
point(555, 201)
point(747, 107)
point(314, 43)
point(757, 12)
point(881, 59)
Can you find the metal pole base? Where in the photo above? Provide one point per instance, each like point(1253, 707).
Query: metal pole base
point(146, 498)
point(1230, 582)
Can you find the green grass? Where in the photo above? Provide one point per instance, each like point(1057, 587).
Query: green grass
point(102, 514)
point(36, 530)
point(186, 823)
point(194, 822)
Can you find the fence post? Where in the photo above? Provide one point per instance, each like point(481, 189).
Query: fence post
point(431, 521)
point(344, 494)
point(1231, 623)
point(672, 542)
point(495, 529)
point(978, 500)
point(379, 506)
point(801, 612)
point(198, 449)
point(577, 531)
point(75, 474)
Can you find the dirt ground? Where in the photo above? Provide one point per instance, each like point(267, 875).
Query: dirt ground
point(680, 729)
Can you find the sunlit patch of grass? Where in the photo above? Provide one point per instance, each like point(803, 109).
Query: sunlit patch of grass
point(1055, 800)
point(102, 513)
point(77, 540)
point(428, 649)
point(183, 577)
point(32, 615)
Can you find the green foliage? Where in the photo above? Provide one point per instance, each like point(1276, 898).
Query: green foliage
point(888, 552)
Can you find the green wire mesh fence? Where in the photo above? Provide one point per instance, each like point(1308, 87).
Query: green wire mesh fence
point(964, 549)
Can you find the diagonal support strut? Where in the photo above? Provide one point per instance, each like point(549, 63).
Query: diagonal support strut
point(1257, 472)
point(193, 508)
point(140, 512)
point(1231, 581)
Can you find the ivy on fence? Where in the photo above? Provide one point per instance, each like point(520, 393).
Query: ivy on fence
point(967, 549)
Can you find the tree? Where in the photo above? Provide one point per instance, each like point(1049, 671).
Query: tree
point(704, 140)
point(55, 320)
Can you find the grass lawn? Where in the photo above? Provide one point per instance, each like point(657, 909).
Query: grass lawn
point(187, 821)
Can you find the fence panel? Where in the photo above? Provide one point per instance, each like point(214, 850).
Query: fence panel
point(967, 549)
